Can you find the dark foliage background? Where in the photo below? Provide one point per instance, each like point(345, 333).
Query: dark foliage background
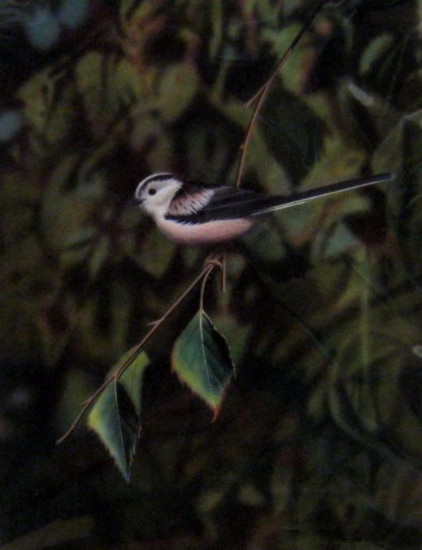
point(318, 444)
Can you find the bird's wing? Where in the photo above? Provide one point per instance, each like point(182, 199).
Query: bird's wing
point(198, 204)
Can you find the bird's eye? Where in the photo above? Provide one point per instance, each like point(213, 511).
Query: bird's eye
point(152, 191)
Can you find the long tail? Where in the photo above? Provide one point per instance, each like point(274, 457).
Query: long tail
point(278, 203)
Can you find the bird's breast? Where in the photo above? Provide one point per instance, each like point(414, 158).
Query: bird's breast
point(216, 231)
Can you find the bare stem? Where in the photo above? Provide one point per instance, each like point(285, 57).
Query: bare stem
point(261, 94)
point(244, 146)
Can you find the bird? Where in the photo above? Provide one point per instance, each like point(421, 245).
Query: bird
point(194, 213)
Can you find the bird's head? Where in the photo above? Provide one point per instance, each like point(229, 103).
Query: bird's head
point(156, 192)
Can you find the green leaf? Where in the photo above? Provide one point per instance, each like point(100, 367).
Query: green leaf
point(202, 361)
point(109, 86)
point(115, 417)
point(375, 50)
point(132, 378)
point(293, 132)
point(177, 88)
point(48, 104)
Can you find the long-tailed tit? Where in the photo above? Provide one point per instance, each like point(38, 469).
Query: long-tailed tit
point(195, 213)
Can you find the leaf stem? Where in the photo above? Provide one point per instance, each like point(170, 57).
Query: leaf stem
point(201, 295)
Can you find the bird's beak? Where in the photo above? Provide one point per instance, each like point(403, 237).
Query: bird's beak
point(136, 201)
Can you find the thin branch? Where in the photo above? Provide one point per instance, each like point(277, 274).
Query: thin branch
point(261, 94)
point(287, 53)
point(244, 146)
point(86, 405)
point(203, 275)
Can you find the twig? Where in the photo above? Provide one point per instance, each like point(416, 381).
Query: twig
point(261, 94)
point(203, 275)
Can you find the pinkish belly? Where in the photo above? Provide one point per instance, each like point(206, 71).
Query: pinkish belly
point(205, 233)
